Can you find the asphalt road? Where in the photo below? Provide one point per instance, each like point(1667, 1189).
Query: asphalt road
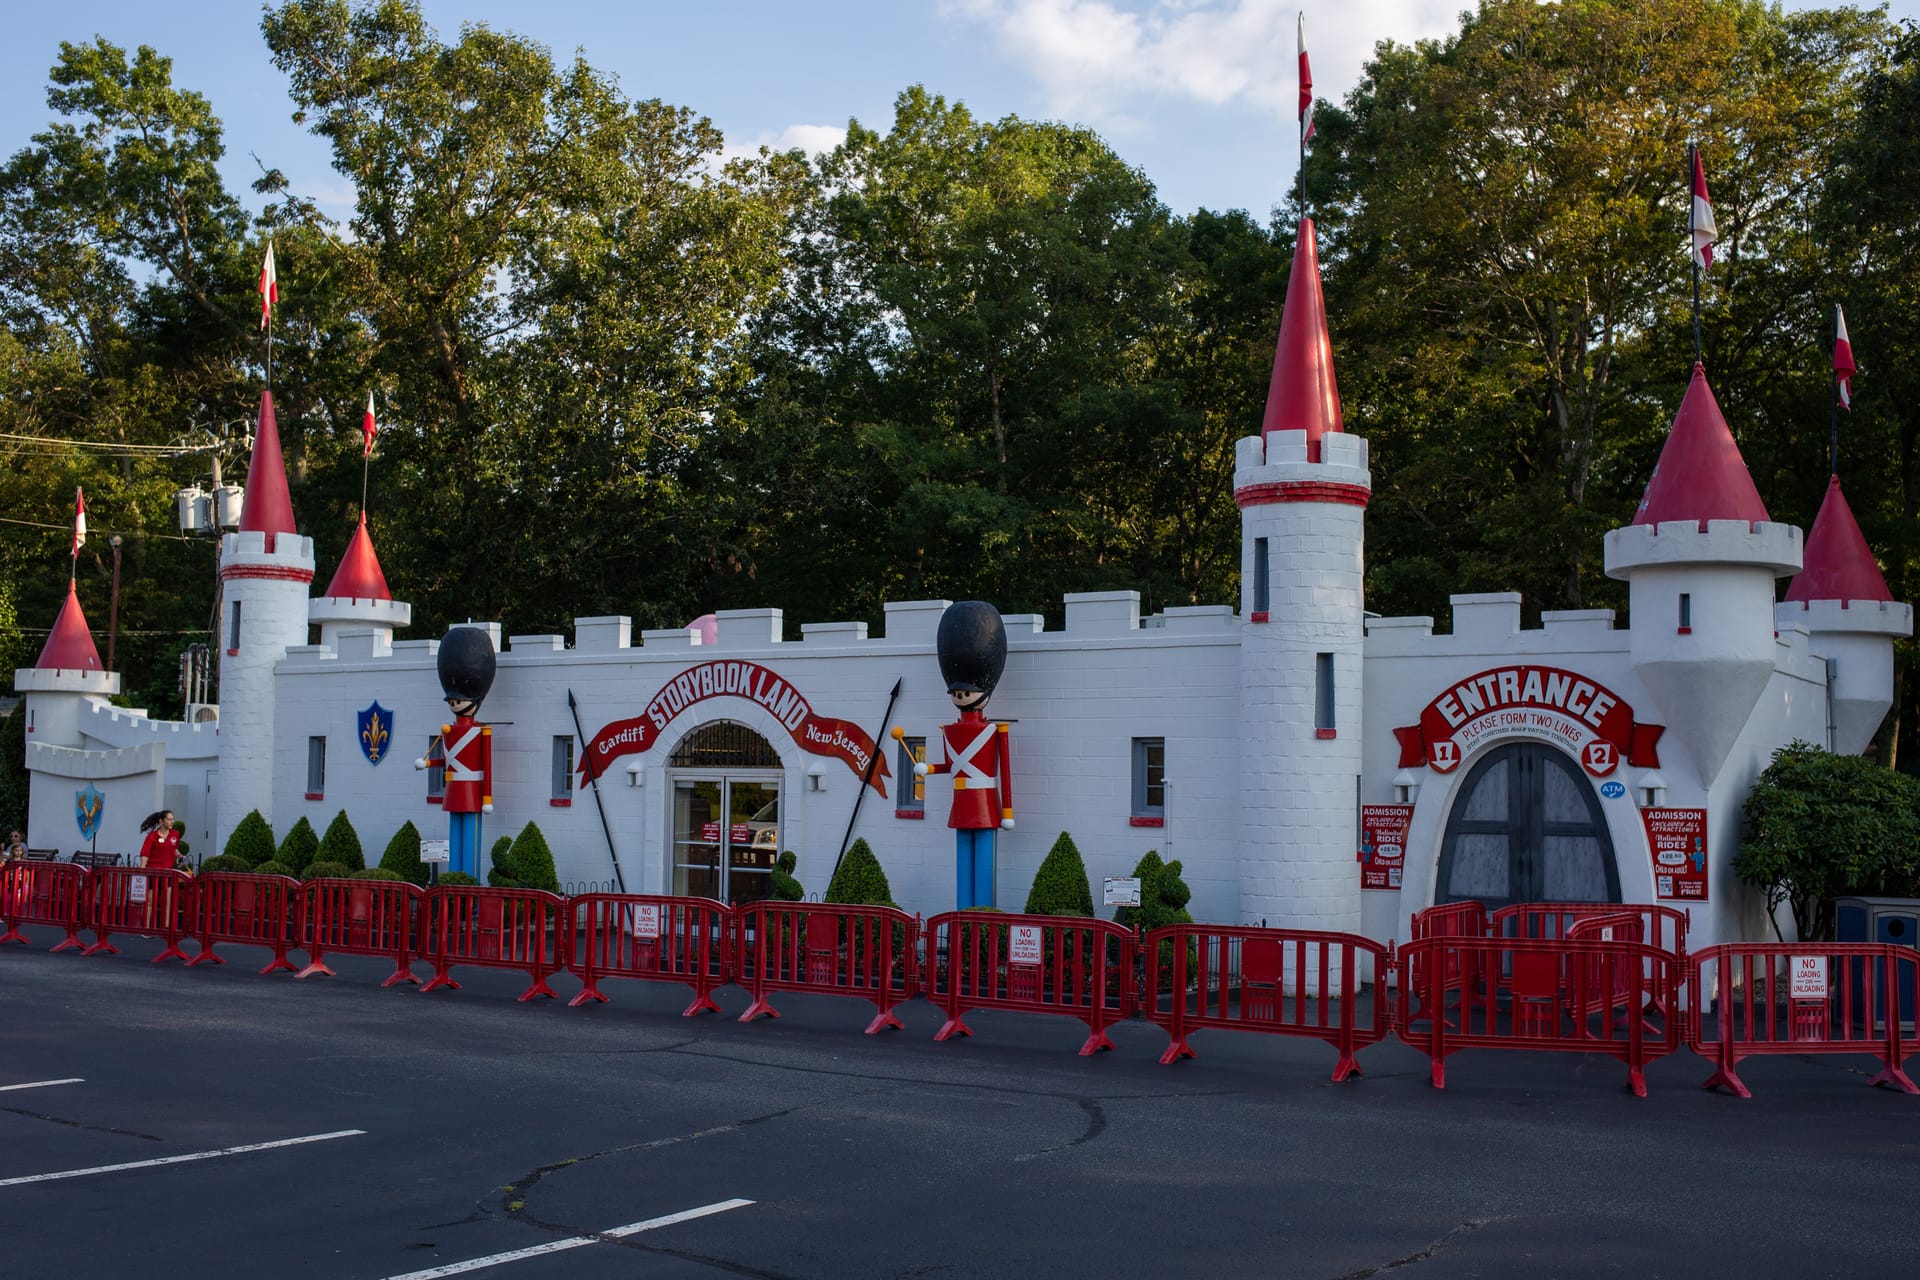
point(489, 1127)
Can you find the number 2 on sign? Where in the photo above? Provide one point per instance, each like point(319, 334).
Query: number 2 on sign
point(1600, 758)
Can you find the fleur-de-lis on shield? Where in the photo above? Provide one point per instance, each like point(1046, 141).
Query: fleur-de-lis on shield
point(376, 732)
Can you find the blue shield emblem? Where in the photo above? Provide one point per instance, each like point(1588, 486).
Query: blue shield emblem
point(376, 733)
point(88, 805)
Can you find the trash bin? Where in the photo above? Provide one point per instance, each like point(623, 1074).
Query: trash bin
point(1894, 920)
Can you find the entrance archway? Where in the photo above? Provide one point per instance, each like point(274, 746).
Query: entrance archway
point(726, 813)
point(1526, 826)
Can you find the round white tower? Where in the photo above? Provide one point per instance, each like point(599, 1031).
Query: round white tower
point(1700, 560)
point(1302, 486)
point(265, 571)
point(1852, 621)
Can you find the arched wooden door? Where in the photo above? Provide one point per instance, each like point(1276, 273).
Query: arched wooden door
point(1527, 827)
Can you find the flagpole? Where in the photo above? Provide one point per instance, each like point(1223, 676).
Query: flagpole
point(1833, 408)
point(1693, 252)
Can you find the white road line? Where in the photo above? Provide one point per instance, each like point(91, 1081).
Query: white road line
point(40, 1084)
point(198, 1155)
point(571, 1242)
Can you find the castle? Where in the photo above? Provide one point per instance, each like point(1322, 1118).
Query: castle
point(1311, 766)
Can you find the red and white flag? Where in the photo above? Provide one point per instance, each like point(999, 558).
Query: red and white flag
point(79, 521)
point(269, 287)
point(1306, 86)
point(368, 429)
point(1701, 221)
point(1842, 358)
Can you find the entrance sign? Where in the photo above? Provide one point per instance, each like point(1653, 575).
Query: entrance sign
point(1579, 715)
point(1024, 946)
point(1677, 839)
point(821, 735)
point(1383, 844)
point(1122, 891)
point(1809, 979)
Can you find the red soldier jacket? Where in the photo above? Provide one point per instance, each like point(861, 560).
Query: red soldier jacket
point(982, 768)
point(469, 748)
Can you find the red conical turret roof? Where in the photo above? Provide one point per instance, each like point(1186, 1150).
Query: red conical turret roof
point(1839, 564)
point(359, 576)
point(1701, 475)
point(69, 645)
point(1302, 395)
point(267, 508)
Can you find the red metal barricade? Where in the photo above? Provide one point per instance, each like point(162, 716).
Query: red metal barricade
point(1288, 982)
point(231, 906)
point(49, 893)
point(1448, 920)
point(496, 929)
point(1662, 927)
point(1522, 993)
point(151, 904)
point(830, 950)
point(361, 918)
point(1031, 964)
point(653, 938)
point(1804, 998)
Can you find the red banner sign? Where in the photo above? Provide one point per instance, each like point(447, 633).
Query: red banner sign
point(821, 735)
point(1677, 839)
point(1383, 844)
point(1578, 714)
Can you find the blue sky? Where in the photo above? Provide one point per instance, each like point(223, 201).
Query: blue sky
point(1196, 93)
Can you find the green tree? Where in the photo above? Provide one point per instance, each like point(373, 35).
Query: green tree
point(533, 860)
point(298, 847)
point(341, 844)
point(860, 880)
point(402, 855)
point(252, 840)
point(1820, 826)
point(1060, 886)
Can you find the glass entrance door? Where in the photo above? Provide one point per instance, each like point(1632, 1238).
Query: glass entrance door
point(726, 834)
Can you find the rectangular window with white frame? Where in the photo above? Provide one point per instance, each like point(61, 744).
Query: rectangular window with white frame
point(562, 770)
point(316, 768)
point(913, 788)
point(1149, 782)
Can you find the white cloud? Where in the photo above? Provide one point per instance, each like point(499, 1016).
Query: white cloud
point(810, 138)
point(1110, 61)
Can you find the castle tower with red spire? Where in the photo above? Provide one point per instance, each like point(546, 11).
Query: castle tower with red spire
point(1302, 486)
point(1700, 560)
point(357, 601)
point(265, 570)
point(1852, 620)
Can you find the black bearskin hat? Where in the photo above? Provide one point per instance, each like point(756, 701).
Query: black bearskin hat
point(973, 646)
point(466, 664)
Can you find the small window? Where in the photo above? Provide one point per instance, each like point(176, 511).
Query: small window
point(316, 768)
point(1323, 695)
point(1686, 611)
point(233, 629)
point(913, 788)
point(563, 767)
point(1149, 781)
point(1260, 579)
point(436, 768)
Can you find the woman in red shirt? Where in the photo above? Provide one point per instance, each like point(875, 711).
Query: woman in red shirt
point(162, 848)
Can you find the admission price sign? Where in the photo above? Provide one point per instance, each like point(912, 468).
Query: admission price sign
point(1677, 841)
point(1383, 844)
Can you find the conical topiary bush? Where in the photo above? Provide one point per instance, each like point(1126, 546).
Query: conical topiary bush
point(299, 847)
point(252, 840)
point(1060, 885)
point(860, 879)
point(532, 860)
point(341, 844)
point(403, 855)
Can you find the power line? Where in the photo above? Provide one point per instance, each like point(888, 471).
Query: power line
point(91, 533)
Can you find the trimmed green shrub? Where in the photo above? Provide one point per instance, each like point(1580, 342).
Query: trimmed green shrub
point(341, 844)
point(378, 873)
point(251, 841)
point(1821, 826)
point(531, 861)
point(860, 879)
point(318, 870)
point(272, 868)
point(502, 852)
point(403, 855)
point(224, 862)
point(1163, 900)
point(500, 875)
point(457, 878)
point(785, 887)
point(300, 846)
point(1060, 885)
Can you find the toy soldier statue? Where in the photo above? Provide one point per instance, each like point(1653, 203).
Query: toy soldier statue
point(972, 645)
point(466, 673)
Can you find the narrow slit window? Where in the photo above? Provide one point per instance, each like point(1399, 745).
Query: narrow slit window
point(562, 766)
point(316, 768)
point(1323, 694)
point(436, 768)
point(233, 628)
point(1261, 581)
point(913, 789)
point(1686, 611)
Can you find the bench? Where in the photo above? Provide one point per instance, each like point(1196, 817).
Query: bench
point(43, 855)
point(83, 858)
